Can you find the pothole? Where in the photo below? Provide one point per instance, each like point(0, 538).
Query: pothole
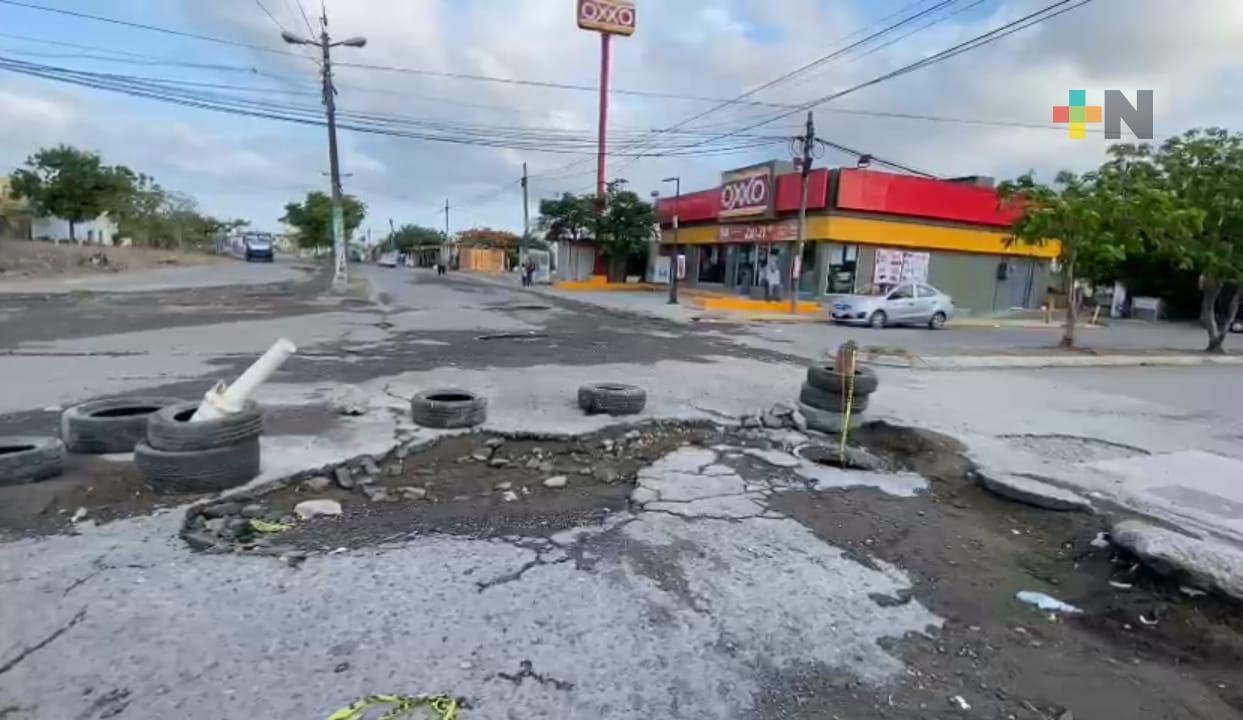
point(478, 484)
point(1071, 448)
point(848, 458)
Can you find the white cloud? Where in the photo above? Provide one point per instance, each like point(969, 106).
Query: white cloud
point(1185, 52)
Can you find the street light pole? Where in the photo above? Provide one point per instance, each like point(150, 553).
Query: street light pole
point(673, 258)
point(808, 140)
point(340, 277)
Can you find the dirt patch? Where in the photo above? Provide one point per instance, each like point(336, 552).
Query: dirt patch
point(479, 485)
point(20, 259)
point(107, 489)
point(1141, 649)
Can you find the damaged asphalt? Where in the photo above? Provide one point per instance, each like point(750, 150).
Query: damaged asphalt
point(729, 578)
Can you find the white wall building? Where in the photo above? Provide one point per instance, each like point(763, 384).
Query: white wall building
point(99, 231)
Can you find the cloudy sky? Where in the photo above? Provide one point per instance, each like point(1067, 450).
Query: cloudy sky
point(685, 51)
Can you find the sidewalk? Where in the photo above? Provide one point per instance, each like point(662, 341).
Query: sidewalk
point(968, 344)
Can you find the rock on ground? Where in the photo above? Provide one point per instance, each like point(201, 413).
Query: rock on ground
point(1209, 563)
point(308, 509)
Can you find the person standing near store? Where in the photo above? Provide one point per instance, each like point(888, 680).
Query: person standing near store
point(772, 277)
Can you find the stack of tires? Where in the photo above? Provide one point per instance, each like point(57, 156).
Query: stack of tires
point(826, 395)
point(180, 456)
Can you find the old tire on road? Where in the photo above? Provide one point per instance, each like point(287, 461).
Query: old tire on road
point(198, 471)
point(170, 428)
point(830, 401)
point(449, 408)
point(823, 377)
point(825, 421)
point(27, 459)
point(611, 398)
point(112, 425)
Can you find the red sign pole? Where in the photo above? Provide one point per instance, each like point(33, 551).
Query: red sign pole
point(605, 46)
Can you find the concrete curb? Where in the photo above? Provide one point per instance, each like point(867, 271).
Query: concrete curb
point(977, 362)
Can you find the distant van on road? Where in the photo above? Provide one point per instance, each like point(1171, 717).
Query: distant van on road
point(249, 246)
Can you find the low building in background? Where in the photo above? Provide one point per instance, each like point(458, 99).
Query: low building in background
point(99, 231)
point(864, 228)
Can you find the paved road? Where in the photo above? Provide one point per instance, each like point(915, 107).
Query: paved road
point(731, 598)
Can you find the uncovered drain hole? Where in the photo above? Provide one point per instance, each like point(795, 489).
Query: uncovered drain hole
point(853, 459)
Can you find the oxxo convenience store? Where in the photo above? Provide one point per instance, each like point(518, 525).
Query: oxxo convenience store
point(864, 228)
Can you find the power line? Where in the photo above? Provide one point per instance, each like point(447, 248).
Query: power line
point(270, 15)
point(975, 42)
point(305, 19)
point(143, 26)
point(535, 140)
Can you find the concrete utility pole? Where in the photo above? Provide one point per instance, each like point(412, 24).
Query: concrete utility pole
point(340, 277)
point(808, 141)
point(446, 251)
point(526, 219)
point(673, 257)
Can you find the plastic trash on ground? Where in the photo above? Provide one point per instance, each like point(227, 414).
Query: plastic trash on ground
point(1046, 603)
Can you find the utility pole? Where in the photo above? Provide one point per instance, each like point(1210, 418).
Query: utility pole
point(673, 258)
point(808, 141)
point(446, 251)
point(340, 278)
point(392, 235)
point(526, 219)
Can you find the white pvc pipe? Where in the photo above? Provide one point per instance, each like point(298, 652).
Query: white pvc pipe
point(221, 401)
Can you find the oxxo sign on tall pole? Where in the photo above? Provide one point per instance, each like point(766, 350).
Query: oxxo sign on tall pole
point(609, 18)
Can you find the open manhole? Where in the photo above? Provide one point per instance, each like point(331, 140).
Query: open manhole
point(853, 458)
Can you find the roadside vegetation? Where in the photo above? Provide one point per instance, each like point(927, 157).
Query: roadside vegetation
point(77, 186)
point(1177, 206)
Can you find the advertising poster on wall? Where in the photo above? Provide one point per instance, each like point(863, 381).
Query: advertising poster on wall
point(894, 267)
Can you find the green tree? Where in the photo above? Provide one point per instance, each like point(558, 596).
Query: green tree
point(1204, 170)
point(1075, 213)
point(312, 218)
point(569, 217)
point(624, 226)
point(407, 237)
point(71, 184)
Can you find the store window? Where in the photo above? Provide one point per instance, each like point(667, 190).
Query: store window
point(843, 261)
point(712, 264)
point(745, 275)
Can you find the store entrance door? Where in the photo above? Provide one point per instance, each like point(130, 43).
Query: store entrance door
point(746, 275)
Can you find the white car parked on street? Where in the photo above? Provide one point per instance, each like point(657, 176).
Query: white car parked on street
point(905, 304)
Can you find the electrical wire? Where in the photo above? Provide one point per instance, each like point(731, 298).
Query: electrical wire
point(271, 16)
point(978, 41)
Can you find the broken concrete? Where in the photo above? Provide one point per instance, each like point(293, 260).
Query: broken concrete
point(1035, 493)
point(1208, 563)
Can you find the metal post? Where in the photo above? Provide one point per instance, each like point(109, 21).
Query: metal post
point(673, 259)
point(526, 219)
point(340, 276)
point(446, 251)
point(605, 46)
point(796, 260)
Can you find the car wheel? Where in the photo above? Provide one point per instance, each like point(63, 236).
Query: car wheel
point(1236, 326)
point(879, 319)
point(937, 321)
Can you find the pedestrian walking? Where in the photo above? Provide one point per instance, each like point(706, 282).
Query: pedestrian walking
point(528, 274)
point(772, 277)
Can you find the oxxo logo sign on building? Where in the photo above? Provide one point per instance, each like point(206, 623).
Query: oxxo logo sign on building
point(747, 192)
point(1077, 114)
point(607, 16)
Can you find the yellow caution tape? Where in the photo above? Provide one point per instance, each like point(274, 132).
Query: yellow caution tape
point(848, 380)
point(263, 526)
point(403, 705)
